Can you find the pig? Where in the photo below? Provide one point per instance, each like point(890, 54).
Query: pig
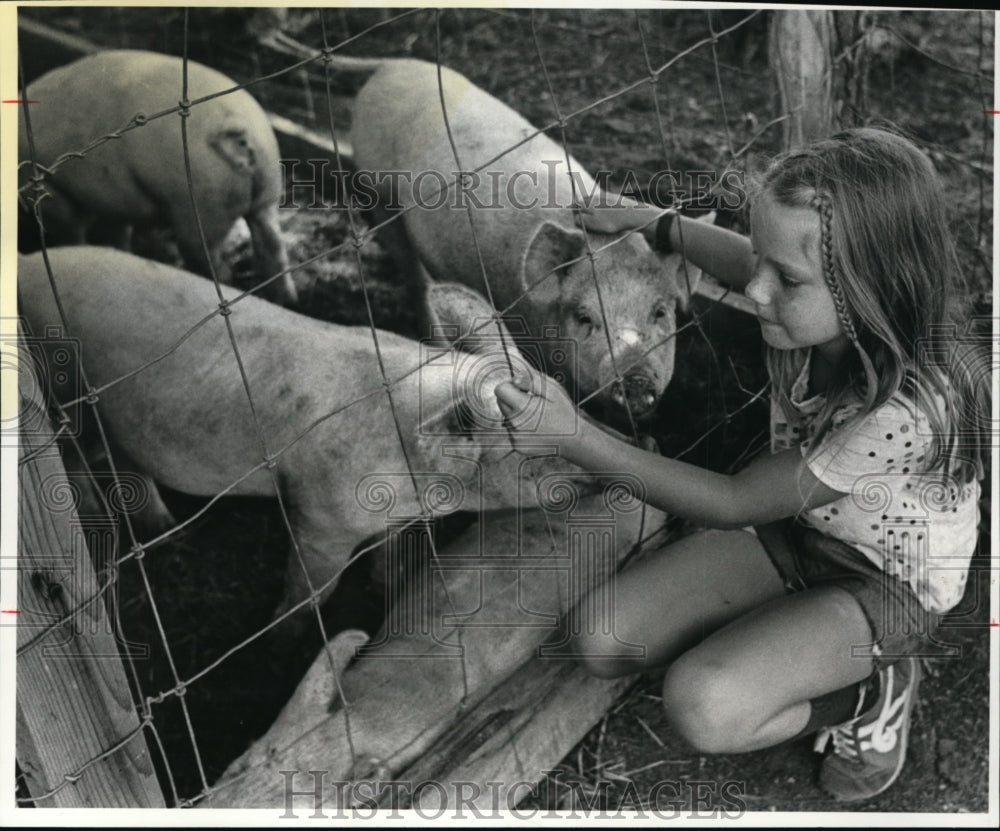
point(533, 256)
point(140, 178)
point(171, 399)
point(401, 703)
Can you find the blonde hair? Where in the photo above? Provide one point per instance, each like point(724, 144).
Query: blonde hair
point(891, 266)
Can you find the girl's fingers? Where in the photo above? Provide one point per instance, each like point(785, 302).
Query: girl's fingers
point(510, 398)
point(512, 402)
point(522, 380)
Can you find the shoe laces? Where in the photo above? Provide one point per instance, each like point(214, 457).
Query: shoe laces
point(844, 738)
point(880, 735)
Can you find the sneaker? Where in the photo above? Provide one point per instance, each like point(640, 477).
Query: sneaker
point(869, 750)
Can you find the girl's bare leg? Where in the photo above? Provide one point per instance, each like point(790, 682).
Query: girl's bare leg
point(747, 657)
point(749, 685)
point(672, 599)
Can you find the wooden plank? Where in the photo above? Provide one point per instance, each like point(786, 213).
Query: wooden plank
point(42, 47)
point(302, 145)
point(496, 597)
point(78, 738)
point(492, 757)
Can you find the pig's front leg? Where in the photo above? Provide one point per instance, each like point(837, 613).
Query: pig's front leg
point(270, 255)
point(324, 539)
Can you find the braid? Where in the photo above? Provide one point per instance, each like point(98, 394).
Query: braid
point(824, 204)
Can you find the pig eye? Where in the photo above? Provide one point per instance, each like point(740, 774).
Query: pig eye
point(660, 313)
point(584, 319)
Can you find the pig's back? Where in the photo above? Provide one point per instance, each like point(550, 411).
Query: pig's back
point(399, 126)
point(125, 312)
point(101, 93)
point(125, 308)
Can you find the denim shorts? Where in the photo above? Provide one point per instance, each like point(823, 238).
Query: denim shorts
point(807, 558)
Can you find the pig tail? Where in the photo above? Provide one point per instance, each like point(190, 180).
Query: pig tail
point(824, 204)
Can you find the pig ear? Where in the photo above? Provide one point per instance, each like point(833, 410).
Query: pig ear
point(457, 394)
point(455, 420)
point(443, 431)
point(550, 248)
point(462, 317)
point(688, 275)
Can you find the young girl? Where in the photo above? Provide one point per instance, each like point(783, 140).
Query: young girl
point(811, 607)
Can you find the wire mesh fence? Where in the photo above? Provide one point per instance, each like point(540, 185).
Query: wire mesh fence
point(627, 94)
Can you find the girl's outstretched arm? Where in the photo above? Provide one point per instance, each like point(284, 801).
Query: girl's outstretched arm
point(769, 488)
point(724, 254)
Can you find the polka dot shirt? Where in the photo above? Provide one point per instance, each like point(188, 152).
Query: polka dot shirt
point(915, 525)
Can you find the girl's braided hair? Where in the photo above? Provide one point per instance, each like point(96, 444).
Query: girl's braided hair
point(824, 205)
point(890, 264)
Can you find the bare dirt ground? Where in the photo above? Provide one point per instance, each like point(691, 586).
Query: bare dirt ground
point(932, 77)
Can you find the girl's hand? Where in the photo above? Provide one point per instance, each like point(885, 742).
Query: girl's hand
point(536, 410)
point(618, 216)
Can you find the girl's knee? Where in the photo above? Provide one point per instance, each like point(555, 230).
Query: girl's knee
point(704, 704)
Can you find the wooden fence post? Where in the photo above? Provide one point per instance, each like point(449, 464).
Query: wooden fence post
point(79, 740)
point(799, 54)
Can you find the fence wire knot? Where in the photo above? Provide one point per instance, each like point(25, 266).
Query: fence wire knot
point(38, 179)
point(180, 691)
point(185, 108)
point(138, 120)
point(327, 54)
point(92, 396)
point(72, 778)
point(111, 575)
point(224, 308)
point(138, 551)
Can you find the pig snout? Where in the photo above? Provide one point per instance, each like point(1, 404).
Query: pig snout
point(635, 379)
point(635, 392)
